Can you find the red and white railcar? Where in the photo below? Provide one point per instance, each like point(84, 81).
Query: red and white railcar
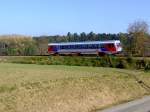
point(89, 47)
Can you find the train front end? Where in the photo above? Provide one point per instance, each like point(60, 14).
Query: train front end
point(118, 46)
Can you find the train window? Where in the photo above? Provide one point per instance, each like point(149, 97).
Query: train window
point(92, 46)
point(58, 47)
point(63, 47)
point(118, 45)
point(71, 46)
point(102, 45)
point(89, 46)
point(84, 46)
point(78, 46)
point(95, 46)
point(81, 46)
point(75, 47)
point(99, 45)
point(68, 46)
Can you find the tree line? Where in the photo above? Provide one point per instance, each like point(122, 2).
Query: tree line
point(17, 45)
point(135, 42)
point(75, 37)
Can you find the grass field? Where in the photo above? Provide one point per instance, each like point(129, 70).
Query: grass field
point(58, 88)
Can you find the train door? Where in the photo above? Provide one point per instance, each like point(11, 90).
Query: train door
point(110, 47)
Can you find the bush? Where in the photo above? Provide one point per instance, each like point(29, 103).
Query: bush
point(147, 67)
point(129, 60)
point(19, 45)
point(122, 64)
point(85, 61)
point(140, 64)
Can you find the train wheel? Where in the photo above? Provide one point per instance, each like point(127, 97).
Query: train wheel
point(78, 54)
point(56, 54)
point(101, 54)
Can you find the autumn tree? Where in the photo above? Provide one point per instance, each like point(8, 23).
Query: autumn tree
point(138, 34)
point(18, 45)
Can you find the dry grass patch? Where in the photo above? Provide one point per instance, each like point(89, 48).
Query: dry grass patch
point(37, 88)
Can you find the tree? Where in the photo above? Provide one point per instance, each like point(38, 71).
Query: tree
point(123, 37)
point(69, 36)
point(83, 36)
point(76, 37)
point(17, 45)
point(91, 36)
point(138, 34)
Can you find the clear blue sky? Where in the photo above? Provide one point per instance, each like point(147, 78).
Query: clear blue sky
point(51, 17)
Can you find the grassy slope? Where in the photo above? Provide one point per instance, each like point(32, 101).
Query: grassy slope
point(42, 88)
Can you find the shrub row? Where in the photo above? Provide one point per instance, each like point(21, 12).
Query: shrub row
point(106, 61)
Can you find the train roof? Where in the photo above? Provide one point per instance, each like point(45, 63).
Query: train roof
point(86, 42)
